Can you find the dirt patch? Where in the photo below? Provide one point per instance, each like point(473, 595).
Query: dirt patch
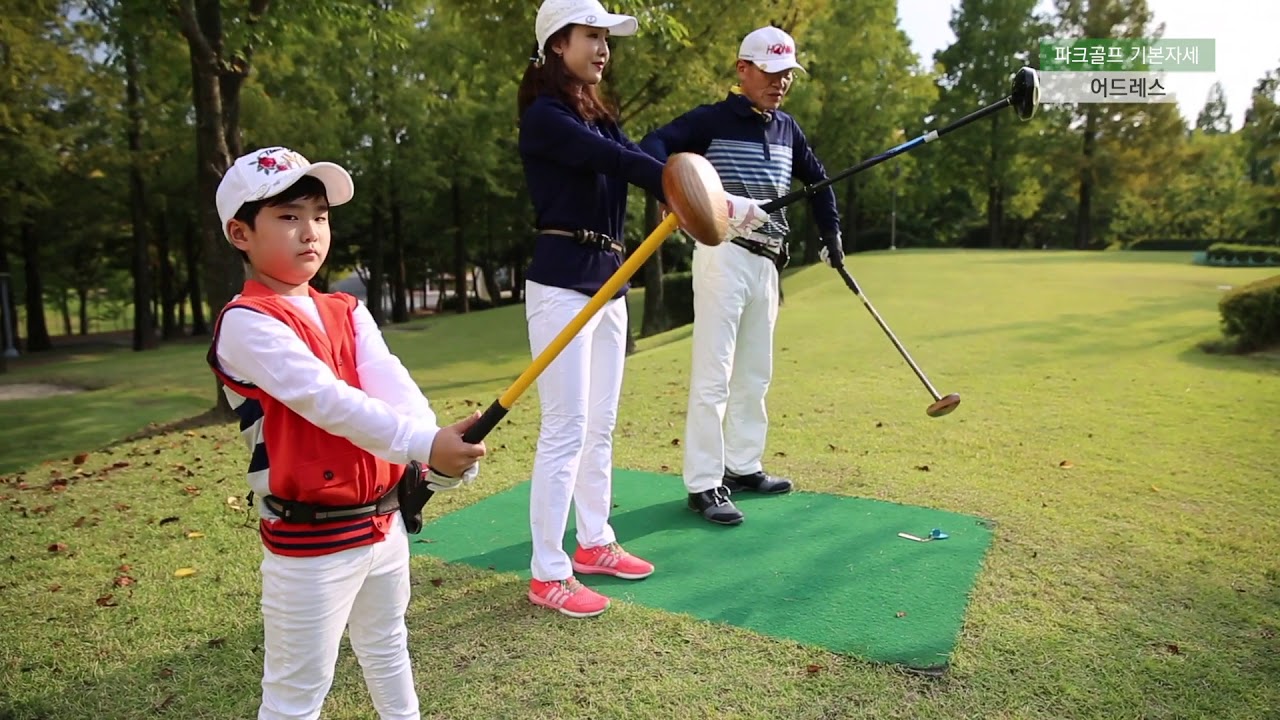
point(34, 391)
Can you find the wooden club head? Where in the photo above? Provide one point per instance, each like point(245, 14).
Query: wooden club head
point(695, 195)
point(943, 406)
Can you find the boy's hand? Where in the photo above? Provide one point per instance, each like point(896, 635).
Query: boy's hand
point(452, 456)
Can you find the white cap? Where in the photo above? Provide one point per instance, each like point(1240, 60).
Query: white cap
point(269, 171)
point(555, 14)
point(770, 49)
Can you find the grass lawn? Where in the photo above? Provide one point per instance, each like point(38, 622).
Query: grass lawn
point(1131, 477)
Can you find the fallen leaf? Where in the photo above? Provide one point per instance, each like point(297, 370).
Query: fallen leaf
point(901, 614)
point(664, 468)
point(166, 673)
point(217, 642)
point(192, 490)
point(184, 572)
point(1066, 464)
point(120, 464)
point(813, 669)
point(58, 486)
point(675, 442)
point(79, 459)
point(164, 703)
point(124, 568)
point(832, 447)
point(879, 424)
point(105, 601)
point(437, 581)
point(170, 519)
point(779, 454)
point(57, 547)
point(80, 521)
point(191, 433)
point(1155, 489)
point(121, 507)
point(194, 534)
point(1173, 648)
point(124, 581)
point(55, 587)
point(924, 468)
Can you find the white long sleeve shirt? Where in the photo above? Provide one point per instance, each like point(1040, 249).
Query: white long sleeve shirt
point(388, 416)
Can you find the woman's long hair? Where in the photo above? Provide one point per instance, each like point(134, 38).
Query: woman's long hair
point(551, 77)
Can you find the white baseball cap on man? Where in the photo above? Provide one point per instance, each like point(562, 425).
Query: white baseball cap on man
point(556, 14)
point(770, 49)
point(269, 171)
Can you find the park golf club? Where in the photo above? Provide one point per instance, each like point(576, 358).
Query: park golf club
point(1023, 98)
point(699, 207)
point(696, 197)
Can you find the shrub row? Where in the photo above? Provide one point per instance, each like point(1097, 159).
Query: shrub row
point(1236, 254)
point(1251, 314)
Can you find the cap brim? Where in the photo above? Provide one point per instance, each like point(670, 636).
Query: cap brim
point(772, 66)
point(338, 186)
point(621, 25)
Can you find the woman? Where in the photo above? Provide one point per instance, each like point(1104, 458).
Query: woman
point(578, 164)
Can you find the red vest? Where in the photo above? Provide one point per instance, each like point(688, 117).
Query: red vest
point(306, 463)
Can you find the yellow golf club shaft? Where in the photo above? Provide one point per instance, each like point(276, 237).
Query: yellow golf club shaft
point(495, 412)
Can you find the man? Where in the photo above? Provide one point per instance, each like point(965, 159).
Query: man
point(757, 150)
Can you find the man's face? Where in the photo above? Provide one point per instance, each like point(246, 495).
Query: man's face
point(289, 242)
point(765, 90)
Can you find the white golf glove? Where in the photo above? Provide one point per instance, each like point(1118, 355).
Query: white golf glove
point(745, 215)
point(437, 482)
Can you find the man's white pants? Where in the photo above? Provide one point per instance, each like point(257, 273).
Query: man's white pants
point(307, 602)
point(735, 305)
point(579, 395)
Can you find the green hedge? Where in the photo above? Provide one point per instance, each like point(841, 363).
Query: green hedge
point(1194, 244)
point(1251, 314)
point(1237, 254)
point(677, 296)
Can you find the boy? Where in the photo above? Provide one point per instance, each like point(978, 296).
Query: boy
point(757, 149)
point(333, 421)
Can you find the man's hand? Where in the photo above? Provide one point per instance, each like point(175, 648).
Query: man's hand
point(832, 252)
point(451, 456)
point(745, 215)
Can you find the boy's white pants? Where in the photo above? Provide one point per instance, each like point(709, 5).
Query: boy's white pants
point(735, 305)
point(307, 602)
point(579, 396)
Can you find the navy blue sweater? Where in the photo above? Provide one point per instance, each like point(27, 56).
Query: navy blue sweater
point(578, 173)
point(755, 153)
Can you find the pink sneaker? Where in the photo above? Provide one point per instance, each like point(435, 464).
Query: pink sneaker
point(569, 596)
point(612, 560)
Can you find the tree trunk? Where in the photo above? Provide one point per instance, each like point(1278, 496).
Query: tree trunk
point(82, 295)
point(37, 329)
point(377, 273)
point(1084, 211)
point(8, 320)
point(169, 327)
point(459, 252)
point(490, 281)
point(191, 250)
point(64, 309)
point(655, 318)
point(144, 337)
point(399, 284)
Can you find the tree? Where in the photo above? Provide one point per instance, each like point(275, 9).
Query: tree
point(1213, 118)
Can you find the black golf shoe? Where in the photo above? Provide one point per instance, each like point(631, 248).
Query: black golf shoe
point(715, 506)
point(760, 482)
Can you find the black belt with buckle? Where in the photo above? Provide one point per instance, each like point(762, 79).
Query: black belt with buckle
point(300, 512)
point(589, 238)
point(759, 249)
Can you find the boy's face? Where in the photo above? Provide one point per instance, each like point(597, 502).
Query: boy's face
point(287, 243)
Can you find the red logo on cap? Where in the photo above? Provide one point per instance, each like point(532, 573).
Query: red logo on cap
point(779, 49)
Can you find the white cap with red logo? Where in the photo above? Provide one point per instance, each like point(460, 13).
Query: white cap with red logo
point(269, 171)
point(770, 49)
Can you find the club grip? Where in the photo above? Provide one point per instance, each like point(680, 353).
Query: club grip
point(490, 419)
